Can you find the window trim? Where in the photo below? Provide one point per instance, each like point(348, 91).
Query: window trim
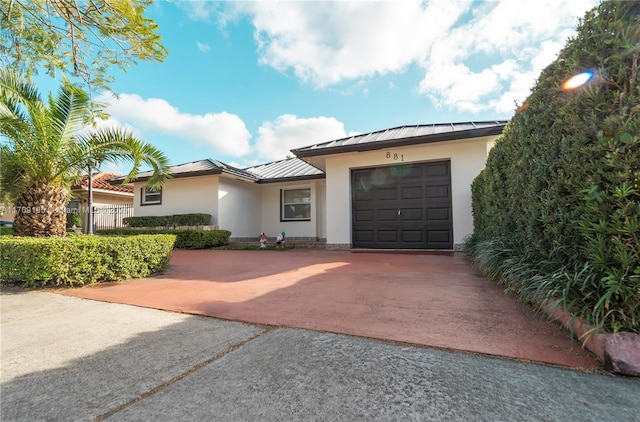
point(143, 197)
point(282, 205)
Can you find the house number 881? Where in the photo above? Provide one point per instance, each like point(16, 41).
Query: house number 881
point(395, 156)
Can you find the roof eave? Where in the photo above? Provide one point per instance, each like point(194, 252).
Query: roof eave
point(173, 176)
point(415, 140)
point(104, 191)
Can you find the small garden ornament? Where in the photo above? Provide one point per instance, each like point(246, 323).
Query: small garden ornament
point(263, 240)
point(280, 240)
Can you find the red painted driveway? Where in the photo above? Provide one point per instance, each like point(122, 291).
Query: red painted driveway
point(428, 299)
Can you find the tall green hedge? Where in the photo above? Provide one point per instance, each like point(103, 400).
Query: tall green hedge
point(194, 219)
point(557, 208)
point(185, 239)
point(78, 260)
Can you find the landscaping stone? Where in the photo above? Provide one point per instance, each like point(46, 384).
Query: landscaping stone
point(622, 353)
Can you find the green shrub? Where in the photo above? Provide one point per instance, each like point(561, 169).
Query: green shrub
point(73, 219)
point(168, 220)
point(6, 231)
point(557, 208)
point(185, 239)
point(79, 260)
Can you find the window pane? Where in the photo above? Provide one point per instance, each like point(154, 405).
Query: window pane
point(151, 197)
point(298, 211)
point(297, 196)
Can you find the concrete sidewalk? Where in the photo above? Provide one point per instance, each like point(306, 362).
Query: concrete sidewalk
point(64, 358)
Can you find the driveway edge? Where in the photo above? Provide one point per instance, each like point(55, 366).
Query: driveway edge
point(619, 352)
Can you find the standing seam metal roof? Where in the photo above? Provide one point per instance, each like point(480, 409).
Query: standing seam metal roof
point(195, 168)
point(405, 135)
point(295, 168)
point(290, 168)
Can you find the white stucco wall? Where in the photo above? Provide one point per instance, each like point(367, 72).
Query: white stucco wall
point(100, 198)
point(271, 224)
point(467, 158)
point(182, 196)
point(239, 207)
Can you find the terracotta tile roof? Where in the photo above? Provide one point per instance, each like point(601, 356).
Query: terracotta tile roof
point(101, 181)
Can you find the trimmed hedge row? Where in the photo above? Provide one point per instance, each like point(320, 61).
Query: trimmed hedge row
point(185, 239)
point(6, 231)
point(168, 220)
point(557, 208)
point(79, 260)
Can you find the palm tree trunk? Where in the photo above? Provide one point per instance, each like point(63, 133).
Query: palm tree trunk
point(41, 211)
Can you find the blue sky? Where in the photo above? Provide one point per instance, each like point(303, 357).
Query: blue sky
point(244, 82)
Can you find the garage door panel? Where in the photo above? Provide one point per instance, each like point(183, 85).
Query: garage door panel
point(364, 235)
point(410, 172)
point(406, 206)
point(438, 236)
point(438, 214)
point(386, 194)
point(412, 214)
point(387, 236)
point(437, 169)
point(361, 195)
point(365, 216)
point(412, 192)
point(441, 191)
point(413, 236)
point(387, 214)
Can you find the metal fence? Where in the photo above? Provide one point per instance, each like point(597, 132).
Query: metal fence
point(110, 216)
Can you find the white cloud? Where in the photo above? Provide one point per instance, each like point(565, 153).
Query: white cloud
point(203, 47)
point(516, 39)
point(476, 55)
point(223, 132)
point(325, 43)
point(287, 132)
point(206, 11)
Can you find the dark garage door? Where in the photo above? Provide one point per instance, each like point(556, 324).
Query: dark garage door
point(403, 207)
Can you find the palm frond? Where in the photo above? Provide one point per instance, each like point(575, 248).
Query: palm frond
point(119, 145)
point(68, 111)
point(13, 86)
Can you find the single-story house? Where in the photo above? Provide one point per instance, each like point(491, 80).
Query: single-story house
point(407, 187)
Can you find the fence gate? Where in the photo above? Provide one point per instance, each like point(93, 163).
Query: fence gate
point(110, 216)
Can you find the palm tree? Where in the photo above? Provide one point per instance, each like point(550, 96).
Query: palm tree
point(45, 146)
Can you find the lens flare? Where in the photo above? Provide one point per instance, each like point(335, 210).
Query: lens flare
point(578, 80)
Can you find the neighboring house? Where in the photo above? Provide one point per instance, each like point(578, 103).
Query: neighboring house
point(402, 188)
point(111, 202)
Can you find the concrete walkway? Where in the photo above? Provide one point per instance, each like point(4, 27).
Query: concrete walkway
point(433, 300)
point(69, 359)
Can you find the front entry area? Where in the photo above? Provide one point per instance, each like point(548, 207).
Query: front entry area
point(406, 206)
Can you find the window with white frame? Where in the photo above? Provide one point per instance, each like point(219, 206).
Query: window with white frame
point(295, 204)
point(150, 197)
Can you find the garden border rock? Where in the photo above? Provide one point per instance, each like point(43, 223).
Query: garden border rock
point(619, 352)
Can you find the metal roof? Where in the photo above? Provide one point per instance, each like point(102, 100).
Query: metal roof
point(297, 169)
point(289, 169)
point(404, 135)
point(194, 168)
